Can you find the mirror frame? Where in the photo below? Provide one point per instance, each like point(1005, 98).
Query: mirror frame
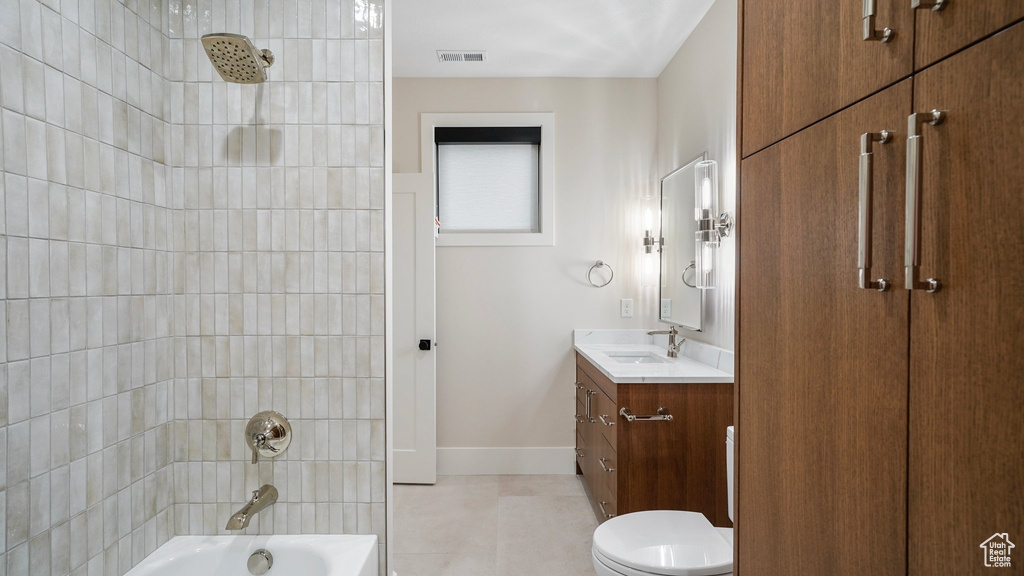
point(661, 260)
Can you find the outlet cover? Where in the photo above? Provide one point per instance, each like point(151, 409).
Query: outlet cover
point(626, 307)
point(666, 307)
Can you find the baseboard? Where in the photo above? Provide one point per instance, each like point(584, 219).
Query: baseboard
point(486, 461)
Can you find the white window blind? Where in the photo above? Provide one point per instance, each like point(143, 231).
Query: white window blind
point(488, 187)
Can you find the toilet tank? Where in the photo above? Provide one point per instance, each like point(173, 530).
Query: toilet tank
point(729, 467)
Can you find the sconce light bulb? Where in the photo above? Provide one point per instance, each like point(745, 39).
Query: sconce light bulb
point(705, 193)
point(648, 220)
point(706, 256)
point(706, 190)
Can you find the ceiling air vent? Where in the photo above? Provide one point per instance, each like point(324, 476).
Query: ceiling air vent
point(461, 55)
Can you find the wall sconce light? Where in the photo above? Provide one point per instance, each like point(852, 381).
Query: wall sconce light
point(712, 226)
point(651, 244)
point(652, 247)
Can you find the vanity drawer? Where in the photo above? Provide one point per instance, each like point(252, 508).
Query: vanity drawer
point(607, 466)
point(605, 412)
point(581, 450)
point(608, 502)
point(588, 375)
point(607, 506)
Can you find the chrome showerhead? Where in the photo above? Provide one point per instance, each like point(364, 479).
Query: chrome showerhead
point(237, 59)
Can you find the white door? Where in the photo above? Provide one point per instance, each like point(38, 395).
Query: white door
point(415, 420)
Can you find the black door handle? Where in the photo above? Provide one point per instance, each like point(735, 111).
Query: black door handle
point(425, 344)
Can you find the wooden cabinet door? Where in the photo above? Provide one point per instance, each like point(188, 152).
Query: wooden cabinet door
point(967, 340)
point(805, 59)
point(823, 364)
point(960, 22)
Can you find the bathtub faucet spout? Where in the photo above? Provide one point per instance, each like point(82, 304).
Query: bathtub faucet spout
point(261, 498)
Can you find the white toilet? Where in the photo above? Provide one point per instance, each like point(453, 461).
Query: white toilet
point(666, 542)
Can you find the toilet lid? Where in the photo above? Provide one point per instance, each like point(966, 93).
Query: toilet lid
point(667, 542)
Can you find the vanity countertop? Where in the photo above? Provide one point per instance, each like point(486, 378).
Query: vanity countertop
point(632, 356)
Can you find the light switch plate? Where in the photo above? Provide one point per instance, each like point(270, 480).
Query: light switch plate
point(666, 307)
point(626, 307)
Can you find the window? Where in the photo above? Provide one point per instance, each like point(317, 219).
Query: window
point(493, 178)
point(488, 179)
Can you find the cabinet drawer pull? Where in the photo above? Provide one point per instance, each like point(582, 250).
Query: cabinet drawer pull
point(868, 22)
point(603, 511)
point(605, 466)
point(604, 420)
point(579, 419)
point(661, 415)
point(933, 5)
point(579, 386)
point(912, 254)
point(867, 192)
point(579, 453)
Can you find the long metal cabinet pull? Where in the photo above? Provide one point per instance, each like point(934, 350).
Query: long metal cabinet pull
point(603, 511)
point(912, 253)
point(606, 467)
point(867, 191)
point(590, 415)
point(868, 22)
point(630, 417)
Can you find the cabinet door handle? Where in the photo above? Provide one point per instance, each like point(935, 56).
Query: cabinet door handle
point(590, 414)
point(605, 466)
point(912, 253)
point(933, 5)
point(872, 34)
point(603, 511)
point(630, 417)
point(867, 192)
point(604, 420)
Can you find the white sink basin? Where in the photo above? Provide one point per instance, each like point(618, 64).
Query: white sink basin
point(635, 357)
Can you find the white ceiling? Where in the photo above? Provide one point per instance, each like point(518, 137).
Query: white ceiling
point(538, 38)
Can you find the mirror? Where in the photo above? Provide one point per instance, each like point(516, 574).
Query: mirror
point(682, 304)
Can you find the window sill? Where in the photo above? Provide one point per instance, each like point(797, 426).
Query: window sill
point(496, 239)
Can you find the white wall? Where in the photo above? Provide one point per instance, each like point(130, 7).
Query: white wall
point(697, 113)
point(505, 314)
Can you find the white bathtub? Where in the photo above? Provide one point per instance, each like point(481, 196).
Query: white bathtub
point(308, 555)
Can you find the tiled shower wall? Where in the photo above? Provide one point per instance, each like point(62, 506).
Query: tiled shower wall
point(179, 253)
point(280, 303)
point(86, 378)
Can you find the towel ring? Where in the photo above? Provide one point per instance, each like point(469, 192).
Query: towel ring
point(693, 264)
point(600, 264)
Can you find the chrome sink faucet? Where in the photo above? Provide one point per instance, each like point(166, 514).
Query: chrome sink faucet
point(673, 346)
point(261, 498)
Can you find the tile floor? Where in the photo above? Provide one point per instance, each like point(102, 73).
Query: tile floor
point(494, 526)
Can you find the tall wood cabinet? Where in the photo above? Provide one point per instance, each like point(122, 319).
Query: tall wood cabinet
point(880, 432)
point(805, 59)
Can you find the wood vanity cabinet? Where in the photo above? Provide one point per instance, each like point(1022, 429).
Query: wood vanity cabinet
point(652, 465)
point(880, 432)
